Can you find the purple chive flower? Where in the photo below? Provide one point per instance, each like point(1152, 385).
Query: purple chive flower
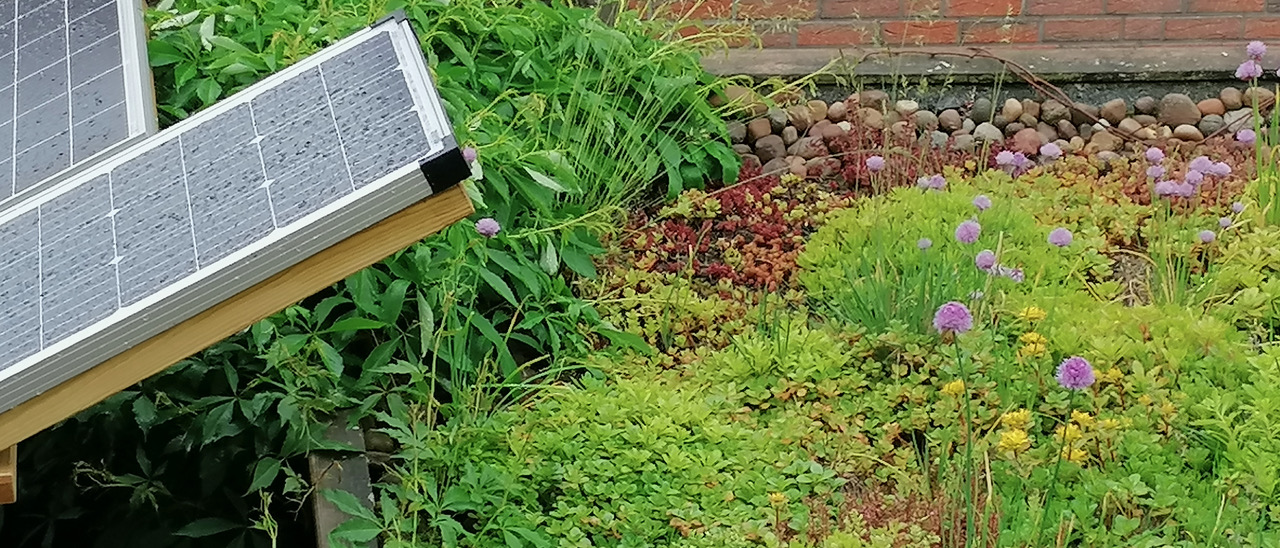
point(982, 202)
point(1255, 50)
point(1237, 207)
point(1224, 222)
point(924, 243)
point(923, 182)
point(1060, 237)
point(1220, 169)
point(1014, 274)
point(1164, 189)
point(1075, 373)
point(875, 163)
point(937, 182)
point(985, 260)
point(1021, 162)
point(1154, 155)
point(1051, 151)
point(469, 154)
point(968, 232)
point(1004, 158)
point(1193, 177)
point(1184, 190)
point(1201, 164)
point(953, 317)
point(1155, 172)
point(488, 227)
point(1249, 70)
point(1246, 136)
point(1207, 236)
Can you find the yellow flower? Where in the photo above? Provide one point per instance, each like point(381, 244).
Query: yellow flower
point(1074, 455)
point(1014, 441)
point(1031, 337)
point(954, 388)
point(1032, 350)
point(1017, 420)
point(1085, 420)
point(1109, 424)
point(1072, 433)
point(1032, 314)
point(1113, 375)
point(777, 498)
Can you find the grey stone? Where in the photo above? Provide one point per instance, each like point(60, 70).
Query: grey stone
point(770, 147)
point(776, 166)
point(1065, 129)
point(938, 139)
point(906, 107)
point(925, 120)
point(1178, 109)
point(964, 143)
point(1013, 128)
point(982, 110)
point(1000, 121)
point(1232, 98)
point(988, 132)
point(1239, 119)
point(950, 120)
point(1053, 112)
point(1211, 123)
point(1027, 120)
point(1146, 120)
point(742, 149)
point(968, 125)
point(1083, 113)
point(790, 135)
point(1145, 105)
point(737, 131)
point(777, 119)
point(1114, 111)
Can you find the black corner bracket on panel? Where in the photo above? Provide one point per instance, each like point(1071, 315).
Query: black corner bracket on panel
point(397, 16)
point(445, 169)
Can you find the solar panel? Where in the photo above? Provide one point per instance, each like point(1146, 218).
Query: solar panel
point(221, 201)
point(74, 85)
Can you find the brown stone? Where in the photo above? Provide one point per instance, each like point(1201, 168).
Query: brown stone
point(1083, 113)
point(1188, 132)
point(1013, 128)
point(1211, 106)
point(1129, 124)
point(1114, 111)
point(1105, 140)
point(873, 98)
point(1146, 120)
point(758, 128)
point(837, 111)
point(817, 109)
point(1027, 120)
point(1012, 109)
point(800, 117)
point(1257, 96)
point(816, 129)
point(790, 135)
point(950, 120)
point(742, 149)
point(832, 131)
point(1066, 129)
point(870, 118)
point(1031, 107)
point(1145, 105)
point(1027, 141)
point(1047, 133)
point(809, 148)
point(1052, 111)
point(776, 166)
point(1232, 98)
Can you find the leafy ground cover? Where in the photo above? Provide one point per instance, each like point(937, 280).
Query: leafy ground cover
point(640, 342)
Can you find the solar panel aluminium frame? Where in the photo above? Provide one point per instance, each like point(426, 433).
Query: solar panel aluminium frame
point(139, 98)
point(443, 167)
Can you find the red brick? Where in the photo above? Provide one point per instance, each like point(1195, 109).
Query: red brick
point(1064, 7)
point(1204, 28)
point(1257, 28)
point(861, 8)
point(1083, 30)
point(1144, 6)
point(984, 8)
point(998, 33)
point(920, 32)
point(693, 9)
point(754, 36)
point(1143, 28)
point(777, 9)
point(835, 34)
point(1224, 6)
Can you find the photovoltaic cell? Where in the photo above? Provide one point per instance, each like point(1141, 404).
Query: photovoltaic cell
point(202, 211)
point(74, 85)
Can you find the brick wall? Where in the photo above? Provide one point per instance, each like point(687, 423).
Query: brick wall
point(834, 23)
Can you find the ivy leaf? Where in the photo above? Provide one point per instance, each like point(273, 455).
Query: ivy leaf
point(348, 504)
point(145, 413)
point(544, 180)
point(354, 323)
point(498, 285)
point(579, 261)
point(550, 262)
point(357, 530)
point(264, 473)
point(206, 527)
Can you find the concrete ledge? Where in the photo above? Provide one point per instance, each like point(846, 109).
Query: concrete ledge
point(1055, 64)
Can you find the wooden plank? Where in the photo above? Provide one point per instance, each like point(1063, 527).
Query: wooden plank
point(229, 317)
point(332, 470)
point(9, 475)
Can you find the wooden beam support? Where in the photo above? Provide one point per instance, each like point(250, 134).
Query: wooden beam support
point(339, 472)
point(9, 475)
point(229, 317)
